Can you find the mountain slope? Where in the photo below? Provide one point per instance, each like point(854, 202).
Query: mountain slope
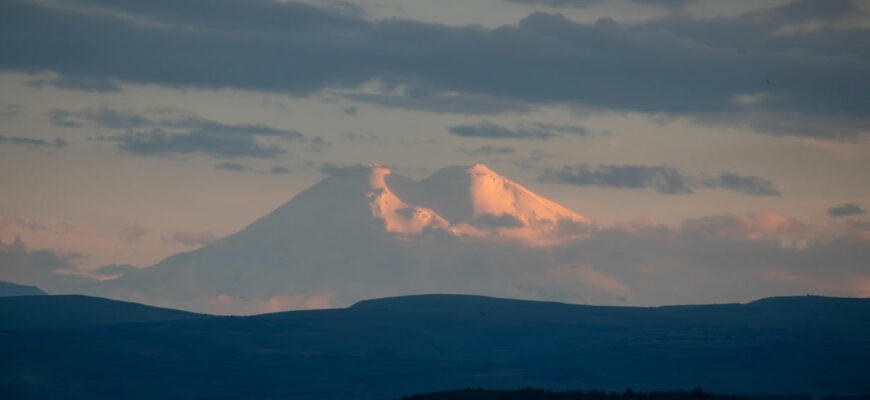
point(387, 348)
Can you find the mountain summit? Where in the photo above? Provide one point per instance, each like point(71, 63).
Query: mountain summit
point(362, 232)
point(477, 201)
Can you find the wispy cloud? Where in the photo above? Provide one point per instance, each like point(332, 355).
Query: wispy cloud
point(230, 166)
point(83, 83)
point(663, 179)
point(279, 170)
point(524, 130)
point(437, 102)
point(36, 225)
point(675, 5)
point(161, 118)
point(845, 210)
point(10, 111)
point(15, 140)
point(133, 232)
point(493, 131)
point(158, 142)
point(746, 184)
point(169, 131)
point(487, 150)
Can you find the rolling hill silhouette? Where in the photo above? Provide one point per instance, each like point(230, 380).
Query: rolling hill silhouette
point(12, 289)
point(74, 346)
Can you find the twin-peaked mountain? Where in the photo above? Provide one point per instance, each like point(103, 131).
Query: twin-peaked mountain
point(477, 201)
point(365, 232)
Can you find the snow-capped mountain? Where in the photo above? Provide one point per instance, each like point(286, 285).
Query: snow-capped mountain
point(365, 232)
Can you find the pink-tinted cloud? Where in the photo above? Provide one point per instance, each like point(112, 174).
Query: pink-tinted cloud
point(844, 150)
point(763, 224)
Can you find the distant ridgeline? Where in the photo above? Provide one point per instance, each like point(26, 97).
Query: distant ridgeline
point(13, 289)
point(628, 394)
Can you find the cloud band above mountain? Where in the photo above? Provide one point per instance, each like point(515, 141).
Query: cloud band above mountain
point(286, 47)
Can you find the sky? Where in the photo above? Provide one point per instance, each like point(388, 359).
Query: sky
point(134, 130)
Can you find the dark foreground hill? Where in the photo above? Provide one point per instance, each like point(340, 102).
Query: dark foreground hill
point(79, 312)
point(81, 347)
point(538, 394)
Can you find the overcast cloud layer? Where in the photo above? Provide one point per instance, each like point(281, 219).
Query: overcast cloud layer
point(765, 65)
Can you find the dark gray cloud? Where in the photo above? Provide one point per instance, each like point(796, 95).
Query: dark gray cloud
point(443, 103)
point(675, 5)
point(167, 131)
point(845, 210)
point(807, 26)
point(197, 238)
point(493, 131)
point(663, 179)
point(331, 169)
point(279, 170)
point(559, 3)
point(674, 65)
point(56, 227)
point(487, 150)
point(24, 141)
point(62, 118)
point(159, 143)
point(364, 137)
point(352, 111)
point(83, 83)
point(115, 269)
point(9, 112)
point(567, 129)
point(32, 142)
point(230, 166)
point(163, 118)
point(751, 185)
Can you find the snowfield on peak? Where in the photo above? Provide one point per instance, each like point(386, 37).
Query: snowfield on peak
point(398, 217)
point(477, 201)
